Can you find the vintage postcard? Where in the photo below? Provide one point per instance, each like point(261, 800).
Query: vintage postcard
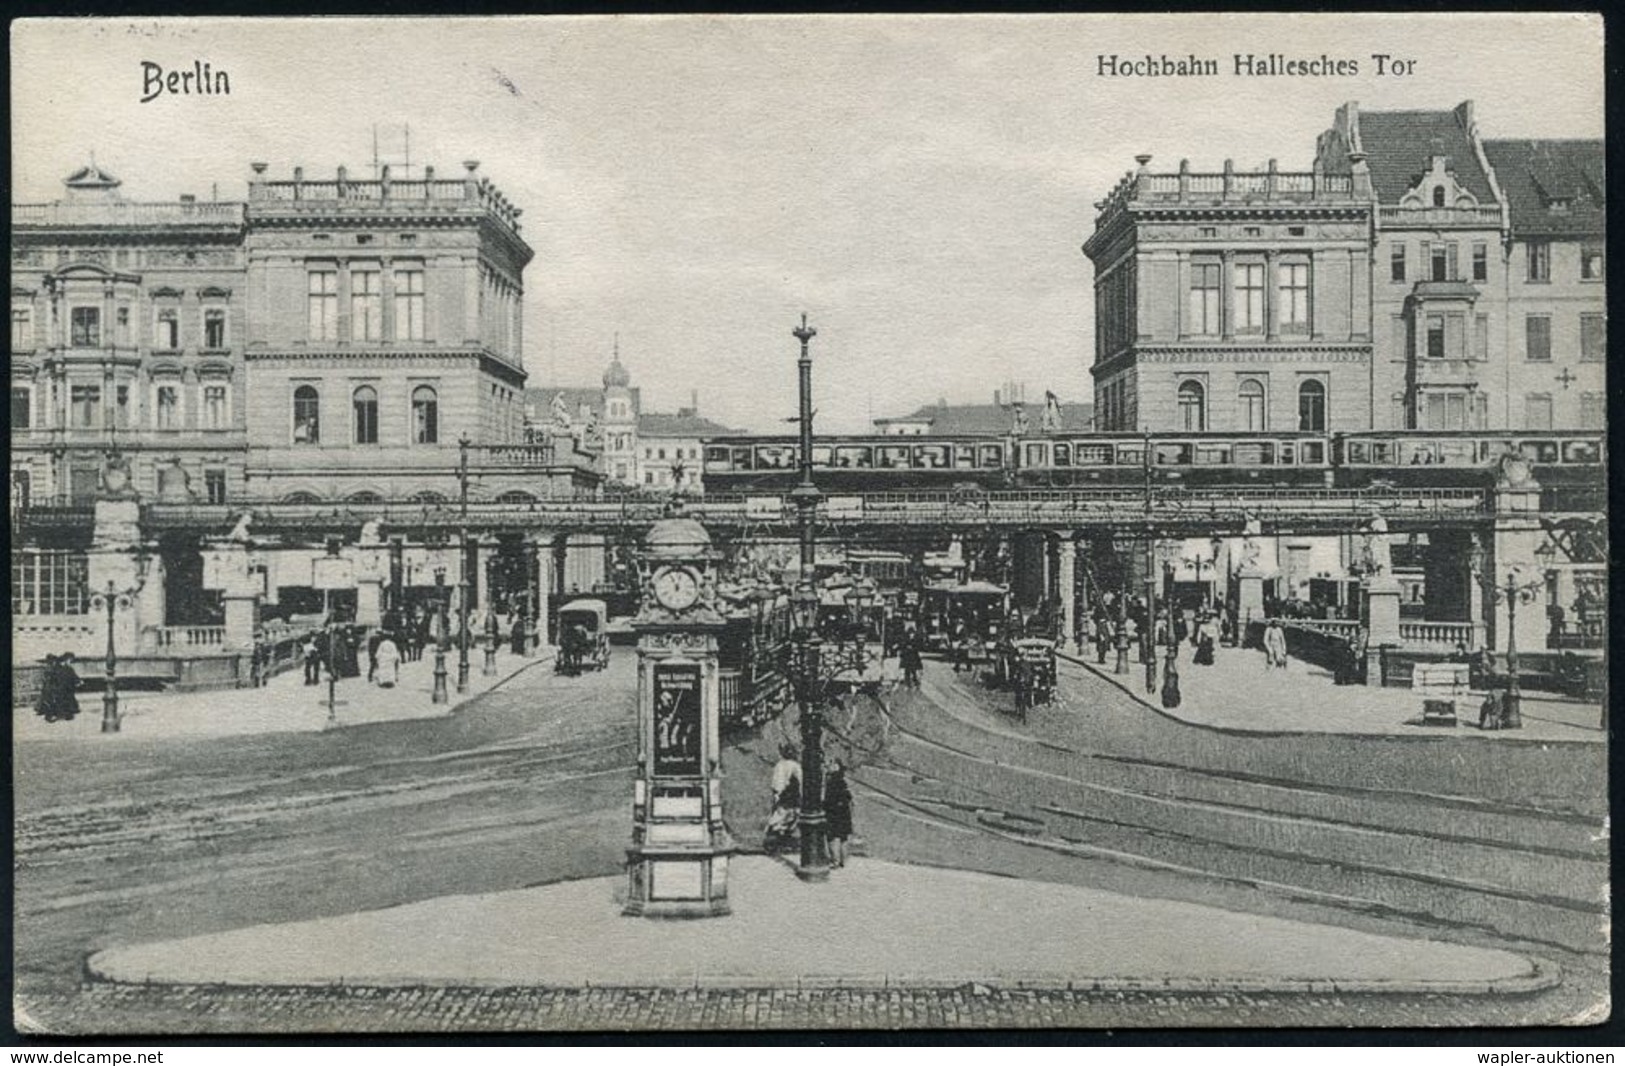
point(670, 523)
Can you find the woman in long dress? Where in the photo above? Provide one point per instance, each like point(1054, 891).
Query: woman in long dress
point(388, 669)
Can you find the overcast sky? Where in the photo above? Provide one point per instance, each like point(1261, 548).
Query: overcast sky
point(919, 186)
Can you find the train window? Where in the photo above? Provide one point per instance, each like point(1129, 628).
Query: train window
point(1539, 451)
point(1213, 454)
point(1458, 452)
point(775, 457)
point(1312, 453)
point(1092, 454)
point(716, 458)
point(1417, 453)
point(1382, 452)
point(742, 459)
point(888, 456)
point(1255, 453)
point(1289, 453)
point(1034, 455)
point(1582, 451)
point(1062, 454)
point(965, 456)
point(854, 455)
point(1173, 454)
point(932, 456)
point(1130, 454)
point(1356, 453)
point(821, 455)
point(992, 455)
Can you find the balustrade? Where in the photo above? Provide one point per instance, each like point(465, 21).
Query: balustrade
point(1441, 635)
point(175, 637)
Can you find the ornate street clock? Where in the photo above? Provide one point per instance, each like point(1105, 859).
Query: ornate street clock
point(677, 866)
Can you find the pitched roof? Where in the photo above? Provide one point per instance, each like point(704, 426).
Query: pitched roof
point(946, 420)
point(1398, 145)
point(683, 424)
point(1534, 173)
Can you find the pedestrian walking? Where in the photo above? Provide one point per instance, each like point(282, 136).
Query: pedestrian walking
point(1275, 644)
point(373, 640)
point(1103, 640)
point(386, 663)
point(959, 641)
point(910, 659)
point(313, 661)
point(837, 812)
point(519, 632)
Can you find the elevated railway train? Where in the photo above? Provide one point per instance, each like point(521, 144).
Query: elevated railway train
point(1401, 458)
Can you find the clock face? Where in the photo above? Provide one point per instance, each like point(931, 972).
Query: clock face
point(676, 589)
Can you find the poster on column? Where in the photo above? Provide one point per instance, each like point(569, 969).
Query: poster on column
point(1264, 286)
point(678, 719)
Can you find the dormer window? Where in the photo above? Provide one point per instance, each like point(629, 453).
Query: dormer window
point(1438, 196)
point(1558, 207)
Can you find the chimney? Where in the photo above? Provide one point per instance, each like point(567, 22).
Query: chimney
point(996, 401)
point(694, 400)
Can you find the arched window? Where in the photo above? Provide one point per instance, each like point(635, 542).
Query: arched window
point(365, 406)
point(307, 415)
point(364, 496)
point(425, 416)
point(1192, 407)
point(1438, 196)
point(428, 497)
point(301, 497)
point(1311, 407)
point(1251, 395)
point(516, 496)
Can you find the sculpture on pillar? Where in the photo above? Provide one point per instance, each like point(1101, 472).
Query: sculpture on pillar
point(1250, 548)
point(369, 532)
point(560, 412)
point(1375, 560)
point(1514, 475)
point(1019, 424)
point(1052, 413)
point(239, 532)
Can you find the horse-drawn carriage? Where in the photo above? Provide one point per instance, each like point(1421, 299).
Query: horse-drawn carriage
point(583, 636)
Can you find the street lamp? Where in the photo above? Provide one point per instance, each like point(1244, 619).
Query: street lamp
point(113, 599)
point(462, 565)
point(1515, 591)
point(1148, 639)
point(1122, 623)
point(814, 846)
point(863, 598)
point(439, 694)
point(1168, 553)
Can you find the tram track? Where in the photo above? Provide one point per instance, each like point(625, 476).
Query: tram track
point(1533, 875)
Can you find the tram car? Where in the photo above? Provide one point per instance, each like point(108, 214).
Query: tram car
point(981, 605)
point(1028, 669)
point(752, 654)
point(982, 463)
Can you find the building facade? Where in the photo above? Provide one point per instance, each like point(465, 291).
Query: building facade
point(1232, 302)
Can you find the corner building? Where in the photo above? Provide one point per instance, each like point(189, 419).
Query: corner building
point(1232, 302)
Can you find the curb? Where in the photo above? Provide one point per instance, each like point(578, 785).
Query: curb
point(1239, 731)
point(1542, 975)
point(543, 655)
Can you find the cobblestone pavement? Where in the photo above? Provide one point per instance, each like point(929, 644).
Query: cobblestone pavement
point(202, 1010)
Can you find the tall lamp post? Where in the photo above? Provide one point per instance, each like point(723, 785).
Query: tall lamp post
point(462, 565)
point(1148, 639)
point(863, 598)
point(1170, 670)
point(1516, 590)
point(112, 600)
point(439, 694)
point(814, 846)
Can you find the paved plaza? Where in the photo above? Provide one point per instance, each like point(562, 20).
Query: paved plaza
point(284, 705)
point(874, 924)
point(1240, 692)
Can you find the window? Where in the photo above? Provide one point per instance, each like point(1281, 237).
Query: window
point(324, 305)
point(1593, 262)
point(1435, 336)
point(167, 335)
point(22, 329)
point(425, 416)
point(214, 406)
point(1538, 338)
point(1592, 410)
point(1204, 300)
point(49, 582)
point(364, 404)
point(409, 304)
point(1311, 407)
point(1593, 338)
point(22, 406)
point(1439, 262)
point(214, 329)
point(1446, 410)
point(648, 478)
point(121, 406)
point(1192, 416)
point(1207, 231)
point(1396, 262)
point(1438, 196)
point(1249, 297)
point(307, 415)
point(86, 326)
point(1481, 262)
point(1540, 261)
point(1293, 295)
point(87, 405)
point(1251, 395)
point(167, 406)
point(214, 485)
point(122, 325)
point(366, 305)
point(1537, 411)
point(1481, 337)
